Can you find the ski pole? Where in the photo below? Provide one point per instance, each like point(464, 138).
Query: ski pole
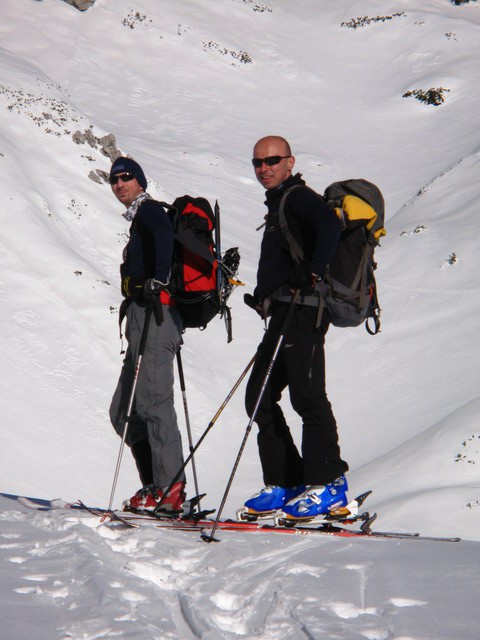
point(210, 425)
point(218, 249)
point(286, 323)
point(187, 420)
point(141, 349)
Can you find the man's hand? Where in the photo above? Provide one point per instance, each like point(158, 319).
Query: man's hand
point(253, 303)
point(320, 286)
point(301, 278)
point(152, 289)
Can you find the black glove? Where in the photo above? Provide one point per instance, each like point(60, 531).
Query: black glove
point(253, 303)
point(301, 278)
point(152, 289)
point(320, 286)
point(151, 295)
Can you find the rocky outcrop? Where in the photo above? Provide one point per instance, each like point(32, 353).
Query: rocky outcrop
point(81, 5)
point(106, 145)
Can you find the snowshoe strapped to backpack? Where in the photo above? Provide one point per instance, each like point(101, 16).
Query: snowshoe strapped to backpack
point(351, 297)
point(201, 280)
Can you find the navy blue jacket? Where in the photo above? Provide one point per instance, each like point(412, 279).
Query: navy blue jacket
point(149, 251)
point(313, 224)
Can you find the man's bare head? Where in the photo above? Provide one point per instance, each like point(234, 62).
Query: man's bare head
point(273, 161)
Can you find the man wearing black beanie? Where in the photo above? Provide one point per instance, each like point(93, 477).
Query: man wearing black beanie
point(152, 434)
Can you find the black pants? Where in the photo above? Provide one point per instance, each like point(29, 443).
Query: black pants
point(300, 366)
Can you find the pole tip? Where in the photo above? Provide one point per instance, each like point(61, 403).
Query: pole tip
point(208, 538)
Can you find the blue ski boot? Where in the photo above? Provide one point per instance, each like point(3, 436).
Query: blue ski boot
point(267, 501)
point(317, 501)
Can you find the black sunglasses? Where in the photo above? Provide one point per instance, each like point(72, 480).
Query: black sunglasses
point(124, 177)
point(270, 161)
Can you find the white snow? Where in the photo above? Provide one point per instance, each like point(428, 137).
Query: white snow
point(187, 88)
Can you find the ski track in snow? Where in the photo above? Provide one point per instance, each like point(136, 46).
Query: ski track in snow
point(87, 580)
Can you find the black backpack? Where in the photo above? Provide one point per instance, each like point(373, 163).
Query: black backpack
point(351, 291)
point(202, 279)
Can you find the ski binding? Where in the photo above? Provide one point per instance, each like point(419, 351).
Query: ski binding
point(344, 515)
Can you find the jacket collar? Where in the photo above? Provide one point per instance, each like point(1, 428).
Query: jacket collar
point(272, 195)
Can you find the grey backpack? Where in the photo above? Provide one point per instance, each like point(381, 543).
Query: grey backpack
point(351, 291)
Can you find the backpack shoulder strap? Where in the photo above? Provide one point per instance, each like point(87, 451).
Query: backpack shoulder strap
point(296, 250)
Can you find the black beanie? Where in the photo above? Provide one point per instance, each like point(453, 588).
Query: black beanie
point(128, 165)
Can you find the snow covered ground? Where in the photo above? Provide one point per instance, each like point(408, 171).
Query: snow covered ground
point(187, 88)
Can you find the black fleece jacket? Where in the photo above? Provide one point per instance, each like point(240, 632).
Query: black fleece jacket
point(313, 224)
point(149, 251)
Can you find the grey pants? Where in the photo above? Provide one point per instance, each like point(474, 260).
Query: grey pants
point(153, 414)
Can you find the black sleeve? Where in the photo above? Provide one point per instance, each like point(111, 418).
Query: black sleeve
point(157, 224)
point(319, 227)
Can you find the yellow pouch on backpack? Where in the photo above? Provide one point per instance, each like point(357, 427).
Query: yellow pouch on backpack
point(357, 209)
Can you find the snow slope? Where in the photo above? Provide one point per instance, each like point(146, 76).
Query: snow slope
point(187, 88)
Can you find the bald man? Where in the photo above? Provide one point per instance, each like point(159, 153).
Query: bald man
point(308, 483)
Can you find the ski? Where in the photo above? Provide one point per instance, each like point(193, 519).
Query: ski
point(202, 524)
point(127, 518)
point(106, 513)
point(325, 530)
point(40, 504)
